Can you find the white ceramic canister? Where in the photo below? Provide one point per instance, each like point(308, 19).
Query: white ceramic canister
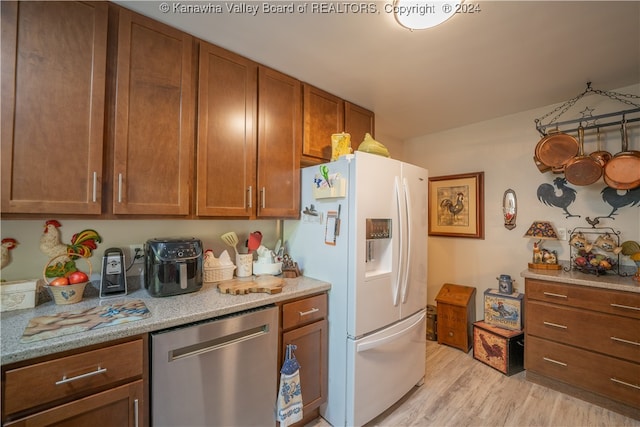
point(244, 265)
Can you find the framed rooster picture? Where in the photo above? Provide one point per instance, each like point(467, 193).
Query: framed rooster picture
point(456, 205)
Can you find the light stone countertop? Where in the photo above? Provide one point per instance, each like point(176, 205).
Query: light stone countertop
point(574, 277)
point(167, 312)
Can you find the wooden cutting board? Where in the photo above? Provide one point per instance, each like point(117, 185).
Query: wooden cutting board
point(268, 284)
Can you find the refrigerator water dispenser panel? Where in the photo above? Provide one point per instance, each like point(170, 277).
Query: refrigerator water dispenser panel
point(378, 246)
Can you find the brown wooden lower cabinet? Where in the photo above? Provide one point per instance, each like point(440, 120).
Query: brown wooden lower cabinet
point(304, 324)
point(584, 341)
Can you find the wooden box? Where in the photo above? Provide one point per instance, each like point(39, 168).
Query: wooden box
point(502, 349)
point(456, 311)
point(504, 310)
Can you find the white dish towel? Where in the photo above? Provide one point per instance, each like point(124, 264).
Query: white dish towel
point(289, 406)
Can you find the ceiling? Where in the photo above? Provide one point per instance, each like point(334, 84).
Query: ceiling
point(509, 57)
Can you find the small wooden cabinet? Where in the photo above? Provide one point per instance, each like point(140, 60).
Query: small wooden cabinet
point(153, 135)
point(326, 114)
point(84, 388)
point(53, 101)
point(584, 341)
point(304, 324)
point(456, 307)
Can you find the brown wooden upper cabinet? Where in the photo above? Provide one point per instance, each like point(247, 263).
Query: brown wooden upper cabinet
point(153, 119)
point(53, 98)
point(326, 114)
point(249, 136)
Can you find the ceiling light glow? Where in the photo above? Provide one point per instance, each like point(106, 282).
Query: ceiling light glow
point(419, 15)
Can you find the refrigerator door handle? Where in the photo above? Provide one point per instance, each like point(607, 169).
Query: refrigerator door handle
point(398, 284)
point(407, 248)
point(368, 345)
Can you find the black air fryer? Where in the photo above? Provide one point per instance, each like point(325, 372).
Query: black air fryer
point(173, 266)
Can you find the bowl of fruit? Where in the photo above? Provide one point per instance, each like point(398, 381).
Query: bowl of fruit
point(64, 280)
point(590, 262)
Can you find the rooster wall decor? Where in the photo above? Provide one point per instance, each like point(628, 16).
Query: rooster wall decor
point(547, 195)
point(82, 245)
point(617, 199)
point(454, 208)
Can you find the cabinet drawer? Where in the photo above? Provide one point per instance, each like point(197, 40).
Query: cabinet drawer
point(304, 311)
point(607, 376)
point(608, 301)
point(71, 376)
point(614, 335)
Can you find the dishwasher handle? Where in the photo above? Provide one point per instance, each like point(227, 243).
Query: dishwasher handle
point(217, 343)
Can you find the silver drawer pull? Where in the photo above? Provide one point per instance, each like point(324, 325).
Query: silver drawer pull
point(136, 412)
point(625, 341)
point(555, 325)
point(555, 361)
point(615, 380)
point(551, 294)
point(628, 307)
point(65, 380)
point(306, 313)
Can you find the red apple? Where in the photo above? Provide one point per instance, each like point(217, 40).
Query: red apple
point(60, 281)
point(77, 277)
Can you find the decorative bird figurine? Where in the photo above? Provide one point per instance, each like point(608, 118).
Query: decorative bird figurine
point(7, 245)
point(82, 244)
point(547, 195)
point(454, 209)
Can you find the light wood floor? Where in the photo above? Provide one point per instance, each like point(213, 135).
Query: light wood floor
point(461, 391)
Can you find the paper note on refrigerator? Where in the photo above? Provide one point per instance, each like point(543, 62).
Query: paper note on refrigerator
point(330, 229)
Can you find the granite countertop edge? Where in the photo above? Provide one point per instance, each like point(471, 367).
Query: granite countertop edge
point(167, 312)
point(574, 277)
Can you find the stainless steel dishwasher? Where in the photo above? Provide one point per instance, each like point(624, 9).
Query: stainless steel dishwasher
point(221, 372)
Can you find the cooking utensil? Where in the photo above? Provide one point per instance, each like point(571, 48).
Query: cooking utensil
point(254, 241)
point(622, 172)
point(556, 149)
point(601, 156)
point(231, 239)
point(582, 169)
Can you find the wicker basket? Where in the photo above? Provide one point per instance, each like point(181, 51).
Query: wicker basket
point(68, 294)
point(218, 274)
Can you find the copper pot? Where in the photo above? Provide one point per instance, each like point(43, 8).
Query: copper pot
point(622, 172)
point(601, 156)
point(556, 149)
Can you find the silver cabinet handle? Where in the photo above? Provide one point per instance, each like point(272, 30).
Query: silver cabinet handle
point(554, 361)
point(65, 380)
point(95, 185)
point(250, 191)
point(625, 341)
point(615, 380)
point(263, 193)
point(306, 313)
point(119, 188)
point(551, 294)
point(136, 412)
point(628, 307)
point(555, 325)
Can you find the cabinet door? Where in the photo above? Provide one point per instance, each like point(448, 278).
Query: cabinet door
point(227, 108)
point(311, 352)
point(120, 406)
point(53, 97)
point(154, 122)
point(279, 141)
point(323, 116)
point(358, 121)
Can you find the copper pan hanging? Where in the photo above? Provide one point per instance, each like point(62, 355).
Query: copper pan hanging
point(582, 169)
point(556, 149)
point(622, 172)
point(601, 156)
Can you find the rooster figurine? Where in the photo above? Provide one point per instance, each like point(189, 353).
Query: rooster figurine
point(454, 209)
point(82, 244)
point(5, 257)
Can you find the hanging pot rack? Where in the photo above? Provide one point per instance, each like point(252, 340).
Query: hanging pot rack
point(616, 118)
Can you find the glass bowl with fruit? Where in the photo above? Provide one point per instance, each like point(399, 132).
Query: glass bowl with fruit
point(64, 280)
point(592, 262)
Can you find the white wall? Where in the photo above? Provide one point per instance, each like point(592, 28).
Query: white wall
point(503, 148)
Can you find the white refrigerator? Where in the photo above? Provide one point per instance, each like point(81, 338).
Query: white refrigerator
point(363, 228)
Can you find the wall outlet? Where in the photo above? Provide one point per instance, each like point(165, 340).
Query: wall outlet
point(562, 234)
point(136, 254)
